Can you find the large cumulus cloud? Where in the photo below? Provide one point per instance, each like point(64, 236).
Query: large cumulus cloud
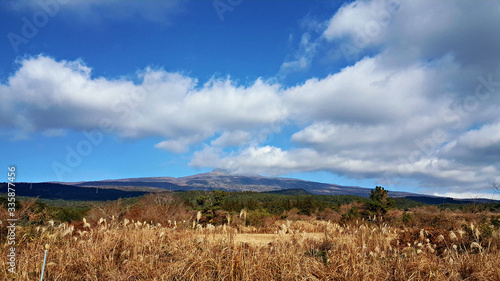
point(418, 106)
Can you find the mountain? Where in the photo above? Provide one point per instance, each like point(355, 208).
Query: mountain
point(69, 192)
point(217, 179)
point(223, 180)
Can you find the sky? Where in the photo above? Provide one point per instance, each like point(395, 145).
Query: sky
point(402, 94)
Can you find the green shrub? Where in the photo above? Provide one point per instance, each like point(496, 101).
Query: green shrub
point(379, 202)
point(351, 215)
point(256, 218)
point(406, 217)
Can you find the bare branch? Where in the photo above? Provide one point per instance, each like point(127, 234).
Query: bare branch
point(495, 185)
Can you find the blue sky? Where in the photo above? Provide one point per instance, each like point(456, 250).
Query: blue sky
point(400, 94)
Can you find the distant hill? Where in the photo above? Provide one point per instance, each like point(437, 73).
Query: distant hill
point(223, 180)
point(295, 191)
point(69, 192)
point(435, 200)
point(217, 179)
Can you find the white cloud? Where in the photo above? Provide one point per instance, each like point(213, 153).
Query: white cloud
point(486, 136)
point(302, 59)
point(361, 20)
point(177, 146)
point(235, 138)
point(272, 160)
point(419, 30)
point(477, 147)
point(342, 137)
point(368, 93)
point(264, 160)
point(54, 95)
point(468, 195)
point(404, 112)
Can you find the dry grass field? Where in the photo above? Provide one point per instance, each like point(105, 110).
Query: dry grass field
point(119, 247)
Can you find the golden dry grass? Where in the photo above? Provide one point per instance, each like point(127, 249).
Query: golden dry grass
point(305, 250)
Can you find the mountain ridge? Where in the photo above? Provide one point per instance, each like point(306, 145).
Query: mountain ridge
point(216, 179)
point(236, 182)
